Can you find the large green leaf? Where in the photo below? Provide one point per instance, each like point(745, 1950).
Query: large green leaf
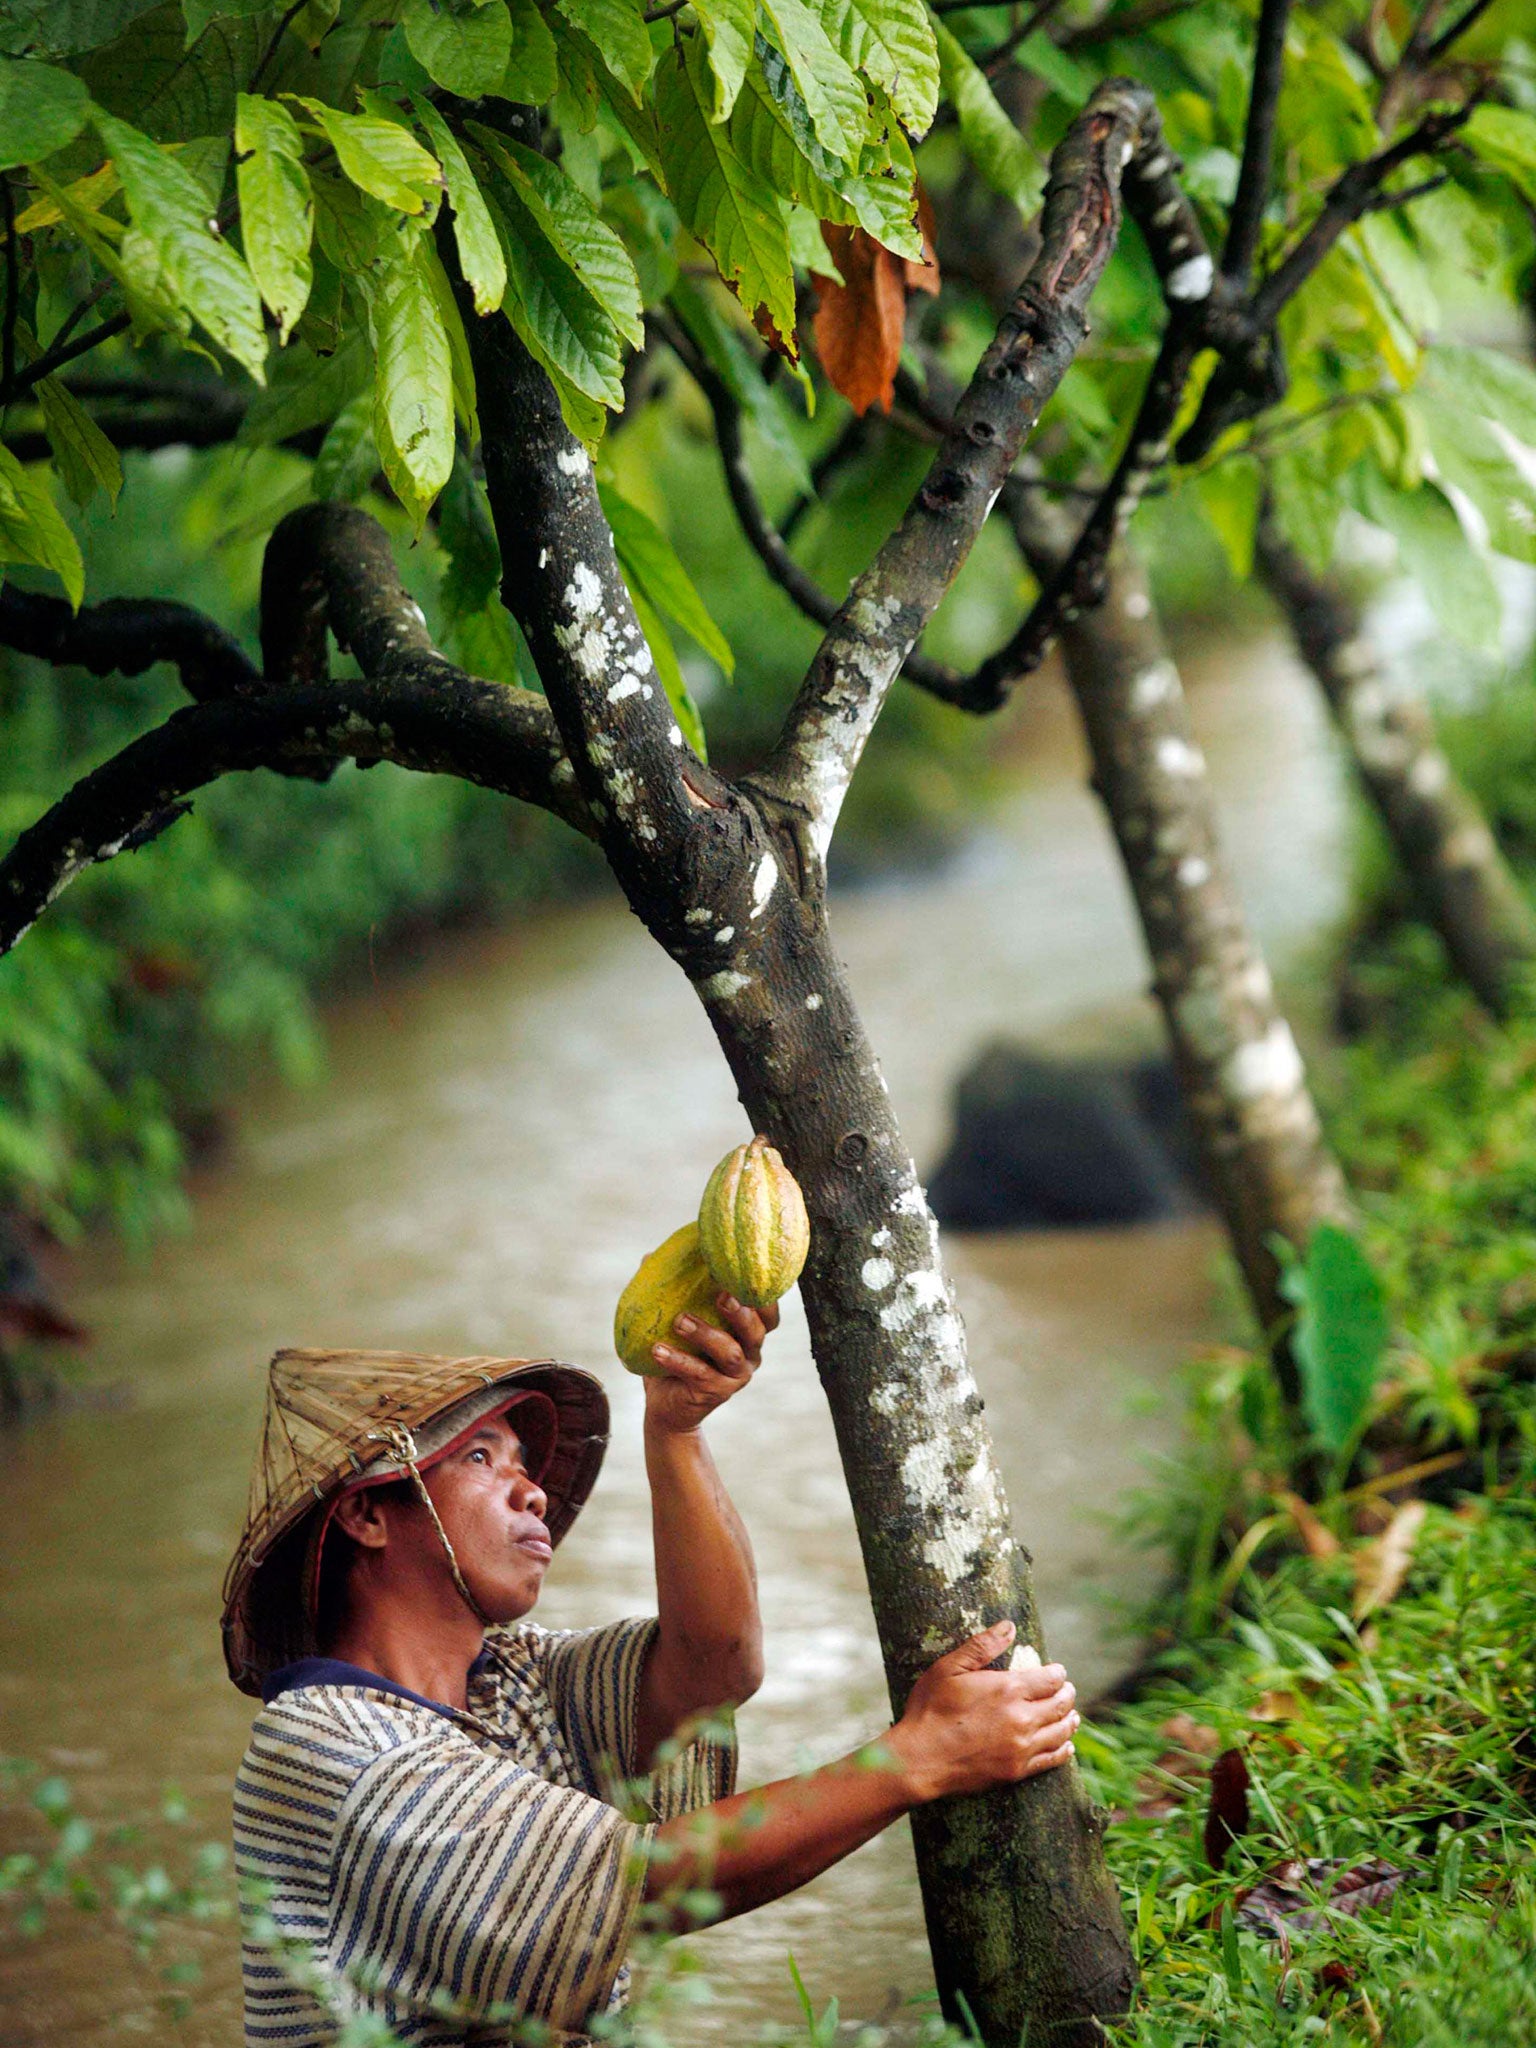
point(304, 391)
point(466, 535)
point(1498, 386)
point(532, 73)
point(991, 140)
point(652, 565)
point(1341, 1335)
point(199, 13)
point(618, 34)
point(171, 93)
point(1469, 455)
point(32, 530)
point(771, 131)
point(474, 232)
point(573, 226)
point(1437, 555)
point(41, 109)
point(836, 101)
point(277, 206)
point(87, 461)
point(558, 319)
point(726, 353)
point(1506, 138)
point(169, 209)
point(412, 371)
point(728, 26)
point(722, 201)
point(63, 28)
point(379, 157)
point(349, 456)
point(892, 42)
point(462, 47)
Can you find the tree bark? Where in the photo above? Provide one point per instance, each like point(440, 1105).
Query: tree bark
point(1242, 1076)
point(1437, 829)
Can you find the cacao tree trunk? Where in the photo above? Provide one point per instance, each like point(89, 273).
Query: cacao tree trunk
point(1243, 1081)
point(1437, 829)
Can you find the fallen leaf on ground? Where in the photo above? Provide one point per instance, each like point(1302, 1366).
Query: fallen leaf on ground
point(1190, 1734)
point(1381, 1567)
point(1318, 1539)
point(1276, 1706)
point(1227, 1816)
point(1285, 1901)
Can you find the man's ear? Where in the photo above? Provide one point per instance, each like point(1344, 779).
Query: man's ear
point(361, 1516)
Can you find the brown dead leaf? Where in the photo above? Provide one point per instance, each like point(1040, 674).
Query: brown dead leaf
point(1188, 1733)
point(1319, 1540)
point(1276, 1706)
point(1298, 1894)
point(859, 323)
point(1227, 1816)
point(1381, 1567)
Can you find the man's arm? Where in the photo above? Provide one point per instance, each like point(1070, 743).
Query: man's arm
point(709, 1647)
point(966, 1728)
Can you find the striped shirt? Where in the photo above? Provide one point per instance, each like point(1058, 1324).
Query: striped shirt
point(447, 1871)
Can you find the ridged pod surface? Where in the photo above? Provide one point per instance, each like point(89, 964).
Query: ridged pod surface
point(753, 1228)
point(671, 1281)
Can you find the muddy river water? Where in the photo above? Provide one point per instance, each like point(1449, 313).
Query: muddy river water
point(500, 1134)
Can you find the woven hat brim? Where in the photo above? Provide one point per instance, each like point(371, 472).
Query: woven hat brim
point(265, 1622)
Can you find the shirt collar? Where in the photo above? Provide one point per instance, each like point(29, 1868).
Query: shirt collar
point(334, 1671)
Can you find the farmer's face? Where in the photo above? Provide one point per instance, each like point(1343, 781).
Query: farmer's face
point(494, 1515)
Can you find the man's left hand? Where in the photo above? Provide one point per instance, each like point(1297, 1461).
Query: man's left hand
point(702, 1366)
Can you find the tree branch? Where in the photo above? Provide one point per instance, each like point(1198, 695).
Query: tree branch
point(763, 537)
point(127, 635)
point(1246, 219)
point(880, 621)
point(325, 566)
point(61, 353)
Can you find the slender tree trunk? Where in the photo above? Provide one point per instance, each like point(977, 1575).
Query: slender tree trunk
point(1437, 829)
point(1243, 1081)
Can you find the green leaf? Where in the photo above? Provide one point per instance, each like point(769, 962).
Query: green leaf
point(1341, 1337)
point(1505, 138)
point(1469, 455)
point(618, 35)
point(345, 466)
point(669, 670)
point(170, 212)
point(277, 206)
point(728, 357)
point(87, 460)
point(62, 28)
point(835, 99)
point(464, 48)
point(721, 200)
point(199, 13)
point(532, 72)
point(574, 228)
point(171, 93)
point(556, 317)
point(991, 140)
point(1229, 497)
point(413, 372)
point(728, 29)
point(1496, 385)
point(32, 530)
point(1436, 554)
point(474, 232)
point(1039, 54)
point(771, 132)
point(651, 564)
point(460, 364)
point(379, 157)
point(41, 109)
point(892, 42)
point(465, 532)
point(1397, 263)
point(304, 391)
point(1307, 508)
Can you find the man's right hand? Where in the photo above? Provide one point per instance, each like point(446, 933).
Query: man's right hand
point(967, 1728)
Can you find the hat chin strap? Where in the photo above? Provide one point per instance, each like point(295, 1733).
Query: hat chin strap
point(400, 1441)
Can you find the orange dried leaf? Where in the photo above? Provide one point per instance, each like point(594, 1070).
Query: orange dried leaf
point(858, 324)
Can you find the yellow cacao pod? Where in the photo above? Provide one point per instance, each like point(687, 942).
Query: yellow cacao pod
point(671, 1281)
point(753, 1229)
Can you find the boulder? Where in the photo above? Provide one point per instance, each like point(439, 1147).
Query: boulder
point(1050, 1143)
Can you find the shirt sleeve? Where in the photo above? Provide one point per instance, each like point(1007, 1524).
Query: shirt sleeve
point(464, 1885)
point(593, 1676)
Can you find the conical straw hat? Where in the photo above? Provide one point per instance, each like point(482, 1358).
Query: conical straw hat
point(334, 1416)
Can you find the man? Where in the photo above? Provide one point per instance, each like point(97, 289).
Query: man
point(425, 1806)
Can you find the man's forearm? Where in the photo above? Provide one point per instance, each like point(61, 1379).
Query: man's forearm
point(757, 1846)
point(710, 1649)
